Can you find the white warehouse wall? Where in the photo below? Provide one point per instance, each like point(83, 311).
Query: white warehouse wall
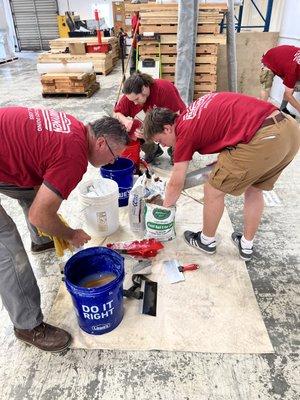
point(85, 8)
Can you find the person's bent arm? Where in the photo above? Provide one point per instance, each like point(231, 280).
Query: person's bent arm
point(176, 183)
point(288, 96)
point(43, 215)
point(127, 122)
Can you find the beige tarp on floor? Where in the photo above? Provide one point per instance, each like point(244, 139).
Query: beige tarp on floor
point(213, 310)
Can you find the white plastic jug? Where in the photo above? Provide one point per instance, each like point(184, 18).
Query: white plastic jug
point(100, 214)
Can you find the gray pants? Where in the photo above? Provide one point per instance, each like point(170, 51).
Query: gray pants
point(18, 287)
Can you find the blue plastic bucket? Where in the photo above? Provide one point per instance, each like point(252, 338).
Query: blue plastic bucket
point(120, 171)
point(99, 309)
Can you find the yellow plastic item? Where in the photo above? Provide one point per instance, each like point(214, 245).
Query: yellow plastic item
point(60, 244)
point(63, 28)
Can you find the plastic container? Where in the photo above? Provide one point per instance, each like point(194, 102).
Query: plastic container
point(132, 151)
point(100, 214)
point(99, 310)
point(121, 171)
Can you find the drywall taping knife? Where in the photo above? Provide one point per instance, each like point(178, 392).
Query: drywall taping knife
point(145, 290)
point(174, 270)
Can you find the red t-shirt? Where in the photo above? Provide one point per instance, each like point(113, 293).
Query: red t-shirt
point(42, 146)
point(284, 61)
point(216, 121)
point(162, 94)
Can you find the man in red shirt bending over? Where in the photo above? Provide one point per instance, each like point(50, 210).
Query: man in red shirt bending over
point(43, 156)
point(255, 141)
point(283, 61)
point(142, 92)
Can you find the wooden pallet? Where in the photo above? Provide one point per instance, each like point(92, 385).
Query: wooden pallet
point(105, 72)
point(88, 93)
point(201, 39)
point(163, 19)
point(103, 63)
point(130, 8)
point(200, 94)
point(172, 28)
point(60, 44)
point(205, 78)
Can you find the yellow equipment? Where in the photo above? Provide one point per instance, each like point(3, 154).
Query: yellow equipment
point(63, 28)
point(68, 23)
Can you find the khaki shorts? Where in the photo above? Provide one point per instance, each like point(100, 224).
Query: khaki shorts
point(258, 163)
point(266, 78)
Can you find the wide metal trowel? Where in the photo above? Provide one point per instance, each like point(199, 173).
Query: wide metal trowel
point(145, 290)
point(198, 177)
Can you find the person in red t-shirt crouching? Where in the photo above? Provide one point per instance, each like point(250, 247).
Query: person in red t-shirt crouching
point(255, 141)
point(142, 92)
point(283, 61)
point(44, 154)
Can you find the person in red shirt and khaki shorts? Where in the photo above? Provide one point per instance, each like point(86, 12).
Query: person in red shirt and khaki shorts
point(43, 156)
point(142, 92)
point(283, 61)
point(255, 141)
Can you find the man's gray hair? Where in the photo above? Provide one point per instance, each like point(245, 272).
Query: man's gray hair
point(111, 128)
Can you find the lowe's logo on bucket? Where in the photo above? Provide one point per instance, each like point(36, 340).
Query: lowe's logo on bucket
point(100, 327)
point(125, 194)
point(95, 312)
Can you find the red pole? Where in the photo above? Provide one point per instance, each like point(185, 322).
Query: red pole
point(98, 27)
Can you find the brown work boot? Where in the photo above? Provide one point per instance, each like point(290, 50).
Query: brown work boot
point(45, 337)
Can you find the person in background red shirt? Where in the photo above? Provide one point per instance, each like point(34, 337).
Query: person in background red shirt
point(43, 156)
point(142, 92)
point(283, 61)
point(255, 141)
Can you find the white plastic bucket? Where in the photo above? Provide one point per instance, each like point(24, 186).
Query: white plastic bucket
point(100, 214)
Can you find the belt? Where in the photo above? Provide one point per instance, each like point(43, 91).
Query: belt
point(270, 121)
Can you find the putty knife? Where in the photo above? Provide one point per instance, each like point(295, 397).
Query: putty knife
point(175, 271)
point(172, 271)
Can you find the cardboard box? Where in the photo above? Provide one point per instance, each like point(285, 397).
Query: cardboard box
point(77, 48)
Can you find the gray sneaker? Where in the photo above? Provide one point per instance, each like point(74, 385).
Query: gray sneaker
point(194, 240)
point(245, 254)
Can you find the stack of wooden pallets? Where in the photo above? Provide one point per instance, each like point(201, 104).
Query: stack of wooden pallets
point(163, 19)
point(103, 62)
point(69, 83)
point(60, 45)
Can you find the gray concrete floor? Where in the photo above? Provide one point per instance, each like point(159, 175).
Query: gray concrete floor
point(26, 373)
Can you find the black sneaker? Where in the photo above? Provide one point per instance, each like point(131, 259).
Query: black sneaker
point(286, 111)
point(149, 158)
point(245, 254)
point(194, 240)
point(41, 248)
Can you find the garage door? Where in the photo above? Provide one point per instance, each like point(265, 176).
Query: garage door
point(35, 23)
